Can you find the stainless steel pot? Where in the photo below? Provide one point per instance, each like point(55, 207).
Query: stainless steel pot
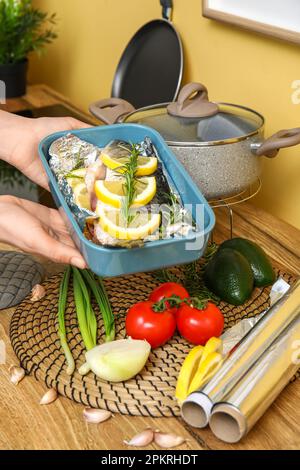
point(220, 144)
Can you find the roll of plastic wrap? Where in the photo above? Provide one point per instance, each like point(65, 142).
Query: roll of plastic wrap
point(197, 407)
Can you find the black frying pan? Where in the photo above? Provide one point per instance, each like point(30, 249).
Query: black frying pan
point(151, 67)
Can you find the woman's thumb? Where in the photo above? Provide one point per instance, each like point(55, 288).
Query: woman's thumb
point(61, 253)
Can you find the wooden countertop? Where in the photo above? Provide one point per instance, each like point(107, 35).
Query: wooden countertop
point(26, 425)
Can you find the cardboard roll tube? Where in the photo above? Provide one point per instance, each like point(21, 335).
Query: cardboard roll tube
point(243, 356)
point(231, 420)
point(196, 410)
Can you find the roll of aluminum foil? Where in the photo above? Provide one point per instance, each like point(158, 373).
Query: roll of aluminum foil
point(197, 407)
point(231, 420)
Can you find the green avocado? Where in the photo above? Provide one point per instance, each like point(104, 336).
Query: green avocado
point(262, 269)
point(229, 276)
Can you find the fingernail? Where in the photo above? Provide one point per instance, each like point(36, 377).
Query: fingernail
point(78, 263)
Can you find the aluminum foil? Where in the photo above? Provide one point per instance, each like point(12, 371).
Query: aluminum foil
point(233, 335)
point(81, 215)
point(242, 357)
point(69, 153)
point(244, 405)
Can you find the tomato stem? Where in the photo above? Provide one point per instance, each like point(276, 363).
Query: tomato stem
point(175, 301)
point(167, 302)
point(195, 302)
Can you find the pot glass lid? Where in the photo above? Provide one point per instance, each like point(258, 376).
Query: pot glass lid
point(229, 123)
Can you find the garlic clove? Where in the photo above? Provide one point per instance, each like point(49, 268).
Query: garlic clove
point(96, 416)
point(49, 397)
point(16, 374)
point(143, 439)
point(168, 441)
point(38, 293)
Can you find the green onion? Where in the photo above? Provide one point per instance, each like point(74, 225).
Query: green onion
point(85, 314)
point(84, 284)
point(99, 292)
point(63, 293)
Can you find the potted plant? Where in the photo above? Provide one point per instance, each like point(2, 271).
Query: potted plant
point(22, 30)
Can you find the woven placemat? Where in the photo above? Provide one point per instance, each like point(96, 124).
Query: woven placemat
point(35, 341)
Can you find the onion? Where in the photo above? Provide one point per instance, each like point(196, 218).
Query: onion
point(119, 360)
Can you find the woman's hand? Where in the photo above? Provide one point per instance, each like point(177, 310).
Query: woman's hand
point(20, 137)
point(38, 230)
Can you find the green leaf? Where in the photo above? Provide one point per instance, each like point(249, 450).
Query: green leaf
point(23, 29)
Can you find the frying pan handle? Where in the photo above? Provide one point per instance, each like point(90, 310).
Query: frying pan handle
point(167, 7)
point(111, 109)
point(193, 102)
point(282, 139)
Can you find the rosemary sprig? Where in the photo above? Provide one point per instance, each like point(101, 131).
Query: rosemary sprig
point(78, 164)
point(191, 276)
point(130, 181)
point(71, 175)
point(165, 275)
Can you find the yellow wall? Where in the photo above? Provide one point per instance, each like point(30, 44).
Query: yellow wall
point(236, 65)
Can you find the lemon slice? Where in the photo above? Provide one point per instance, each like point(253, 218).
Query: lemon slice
point(112, 192)
point(81, 196)
point(212, 345)
point(142, 225)
point(187, 372)
point(76, 177)
point(206, 371)
point(146, 165)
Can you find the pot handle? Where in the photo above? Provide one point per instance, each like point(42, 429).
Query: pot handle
point(167, 7)
point(282, 139)
point(111, 109)
point(193, 102)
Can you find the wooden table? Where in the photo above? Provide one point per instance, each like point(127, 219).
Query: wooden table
point(26, 425)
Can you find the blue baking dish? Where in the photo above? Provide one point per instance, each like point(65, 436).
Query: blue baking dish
point(111, 262)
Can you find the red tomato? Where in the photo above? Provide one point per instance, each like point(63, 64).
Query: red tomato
point(168, 290)
point(198, 326)
point(143, 323)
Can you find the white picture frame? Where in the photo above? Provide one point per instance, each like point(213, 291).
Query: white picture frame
point(277, 18)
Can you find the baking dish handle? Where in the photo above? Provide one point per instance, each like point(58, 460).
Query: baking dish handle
point(282, 139)
point(111, 110)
